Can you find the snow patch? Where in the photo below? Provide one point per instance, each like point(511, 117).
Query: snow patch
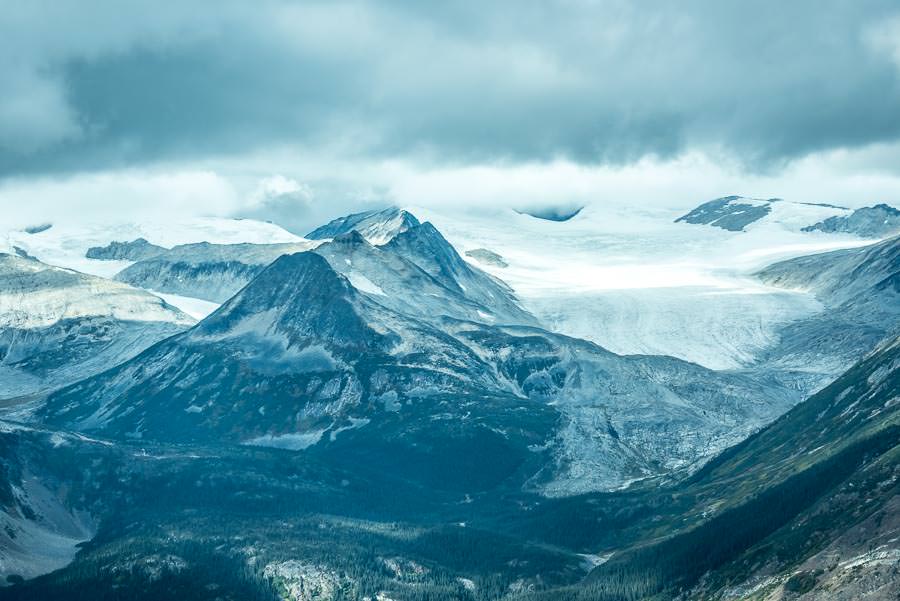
point(296, 441)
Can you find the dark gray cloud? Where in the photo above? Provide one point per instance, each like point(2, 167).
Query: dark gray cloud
point(106, 84)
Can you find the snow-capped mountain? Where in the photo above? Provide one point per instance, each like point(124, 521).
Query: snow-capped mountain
point(738, 213)
point(67, 244)
point(58, 325)
point(878, 221)
point(211, 272)
point(134, 250)
point(303, 357)
point(378, 227)
point(420, 274)
point(632, 280)
point(416, 271)
point(860, 290)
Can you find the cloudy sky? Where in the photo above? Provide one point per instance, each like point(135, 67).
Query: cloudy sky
point(301, 110)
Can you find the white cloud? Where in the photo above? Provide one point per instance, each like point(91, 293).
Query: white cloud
point(300, 191)
point(116, 197)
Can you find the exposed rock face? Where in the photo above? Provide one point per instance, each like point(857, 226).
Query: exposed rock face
point(487, 257)
point(212, 272)
point(39, 529)
point(136, 250)
point(732, 213)
point(378, 227)
point(868, 222)
point(860, 289)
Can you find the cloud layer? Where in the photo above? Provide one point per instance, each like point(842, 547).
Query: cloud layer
point(106, 85)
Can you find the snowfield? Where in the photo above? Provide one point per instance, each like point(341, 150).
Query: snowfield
point(65, 245)
point(634, 281)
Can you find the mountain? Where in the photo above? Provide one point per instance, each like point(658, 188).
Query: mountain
point(732, 213)
point(868, 222)
point(58, 325)
point(860, 291)
point(40, 529)
point(806, 508)
point(424, 246)
point(212, 272)
point(420, 274)
point(134, 250)
point(386, 421)
point(378, 227)
point(300, 356)
point(737, 213)
point(304, 358)
point(66, 244)
point(417, 272)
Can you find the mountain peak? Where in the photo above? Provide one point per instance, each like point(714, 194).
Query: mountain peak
point(299, 296)
point(428, 248)
point(732, 213)
point(378, 227)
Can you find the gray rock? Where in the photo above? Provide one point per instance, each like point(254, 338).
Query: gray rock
point(136, 250)
point(728, 213)
point(487, 257)
point(869, 222)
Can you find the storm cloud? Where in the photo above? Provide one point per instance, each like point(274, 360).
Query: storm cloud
point(106, 85)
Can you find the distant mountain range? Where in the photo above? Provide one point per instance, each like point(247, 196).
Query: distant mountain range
point(736, 213)
point(869, 222)
point(355, 340)
point(365, 413)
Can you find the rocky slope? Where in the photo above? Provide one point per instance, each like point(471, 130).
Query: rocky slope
point(878, 221)
point(41, 523)
point(420, 274)
point(378, 227)
point(805, 509)
point(731, 213)
point(58, 325)
point(304, 357)
point(134, 250)
point(211, 272)
point(860, 289)
point(737, 213)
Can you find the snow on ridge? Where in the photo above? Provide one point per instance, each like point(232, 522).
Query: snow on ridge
point(197, 308)
point(296, 441)
point(65, 245)
point(633, 281)
point(364, 284)
point(36, 295)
